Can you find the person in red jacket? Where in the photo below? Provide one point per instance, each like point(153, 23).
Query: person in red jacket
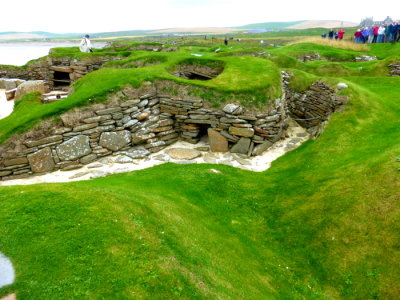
point(375, 32)
point(358, 36)
point(341, 34)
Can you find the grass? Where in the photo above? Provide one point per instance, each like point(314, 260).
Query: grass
point(341, 44)
point(322, 223)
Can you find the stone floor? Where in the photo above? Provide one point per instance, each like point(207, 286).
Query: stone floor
point(181, 153)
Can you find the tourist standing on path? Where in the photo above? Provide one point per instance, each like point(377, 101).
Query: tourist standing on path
point(392, 32)
point(381, 34)
point(370, 35)
point(375, 33)
point(358, 36)
point(331, 33)
point(387, 33)
point(365, 32)
point(341, 34)
point(86, 45)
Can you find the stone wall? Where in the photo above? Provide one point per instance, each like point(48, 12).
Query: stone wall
point(394, 69)
point(141, 125)
point(312, 108)
point(47, 68)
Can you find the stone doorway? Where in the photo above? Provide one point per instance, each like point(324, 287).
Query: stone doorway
point(61, 79)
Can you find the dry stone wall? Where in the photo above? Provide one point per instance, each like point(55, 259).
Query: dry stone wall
point(312, 108)
point(139, 126)
point(56, 71)
point(394, 69)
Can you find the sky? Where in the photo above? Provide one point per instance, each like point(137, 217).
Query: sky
point(68, 16)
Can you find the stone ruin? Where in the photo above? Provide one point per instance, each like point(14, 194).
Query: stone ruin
point(394, 69)
point(51, 76)
point(140, 123)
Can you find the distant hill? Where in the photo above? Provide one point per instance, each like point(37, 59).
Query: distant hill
point(270, 25)
point(322, 24)
point(42, 35)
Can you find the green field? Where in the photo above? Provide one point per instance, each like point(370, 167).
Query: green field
point(322, 223)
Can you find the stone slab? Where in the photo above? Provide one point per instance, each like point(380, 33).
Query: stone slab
point(218, 143)
point(115, 141)
point(74, 148)
point(41, 161)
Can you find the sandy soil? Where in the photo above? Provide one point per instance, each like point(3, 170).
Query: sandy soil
point(323, 24)
point(6, 107)
point(121, 163)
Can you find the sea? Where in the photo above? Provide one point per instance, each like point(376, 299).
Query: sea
point(18, 54)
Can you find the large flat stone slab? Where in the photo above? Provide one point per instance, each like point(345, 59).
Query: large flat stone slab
point(41, 161)
point(115, 141)
point(74, 148)
point(242, 146)
point(218, 143)
point(244, 132)
point(183, 153)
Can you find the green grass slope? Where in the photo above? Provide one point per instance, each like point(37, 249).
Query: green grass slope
point(322, 223)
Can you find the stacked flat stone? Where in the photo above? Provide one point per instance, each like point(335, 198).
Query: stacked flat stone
point(139, 127)
point(45, 69)
point(313, 107)
point(310, 57)
point(394, 69)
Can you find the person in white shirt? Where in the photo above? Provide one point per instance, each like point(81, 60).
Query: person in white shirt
point(86, 45)
point(381, 34)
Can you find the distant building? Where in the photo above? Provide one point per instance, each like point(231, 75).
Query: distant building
point(368, 22)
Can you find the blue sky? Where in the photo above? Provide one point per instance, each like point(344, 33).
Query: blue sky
point(114, 15)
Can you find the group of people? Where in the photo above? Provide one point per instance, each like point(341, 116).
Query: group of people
point(332, 34)
point(378, 34)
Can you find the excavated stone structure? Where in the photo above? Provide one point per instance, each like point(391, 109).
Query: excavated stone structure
point(140, 125)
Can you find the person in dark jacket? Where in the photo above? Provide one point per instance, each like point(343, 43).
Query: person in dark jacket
point(393, 32)
point(331, 34)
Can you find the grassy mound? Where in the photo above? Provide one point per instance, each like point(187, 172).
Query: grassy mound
point(323, 222)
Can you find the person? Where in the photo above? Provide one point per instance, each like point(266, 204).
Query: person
point(330, 34)
point(392, 32)
point(365, 33)
point(323, 35)
point(86, 45)
point(358, 36)
point(381, 34)
point(370, 35)
point(226, 42)
point(387, 33)
point(341, 34)
point(375, 32)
